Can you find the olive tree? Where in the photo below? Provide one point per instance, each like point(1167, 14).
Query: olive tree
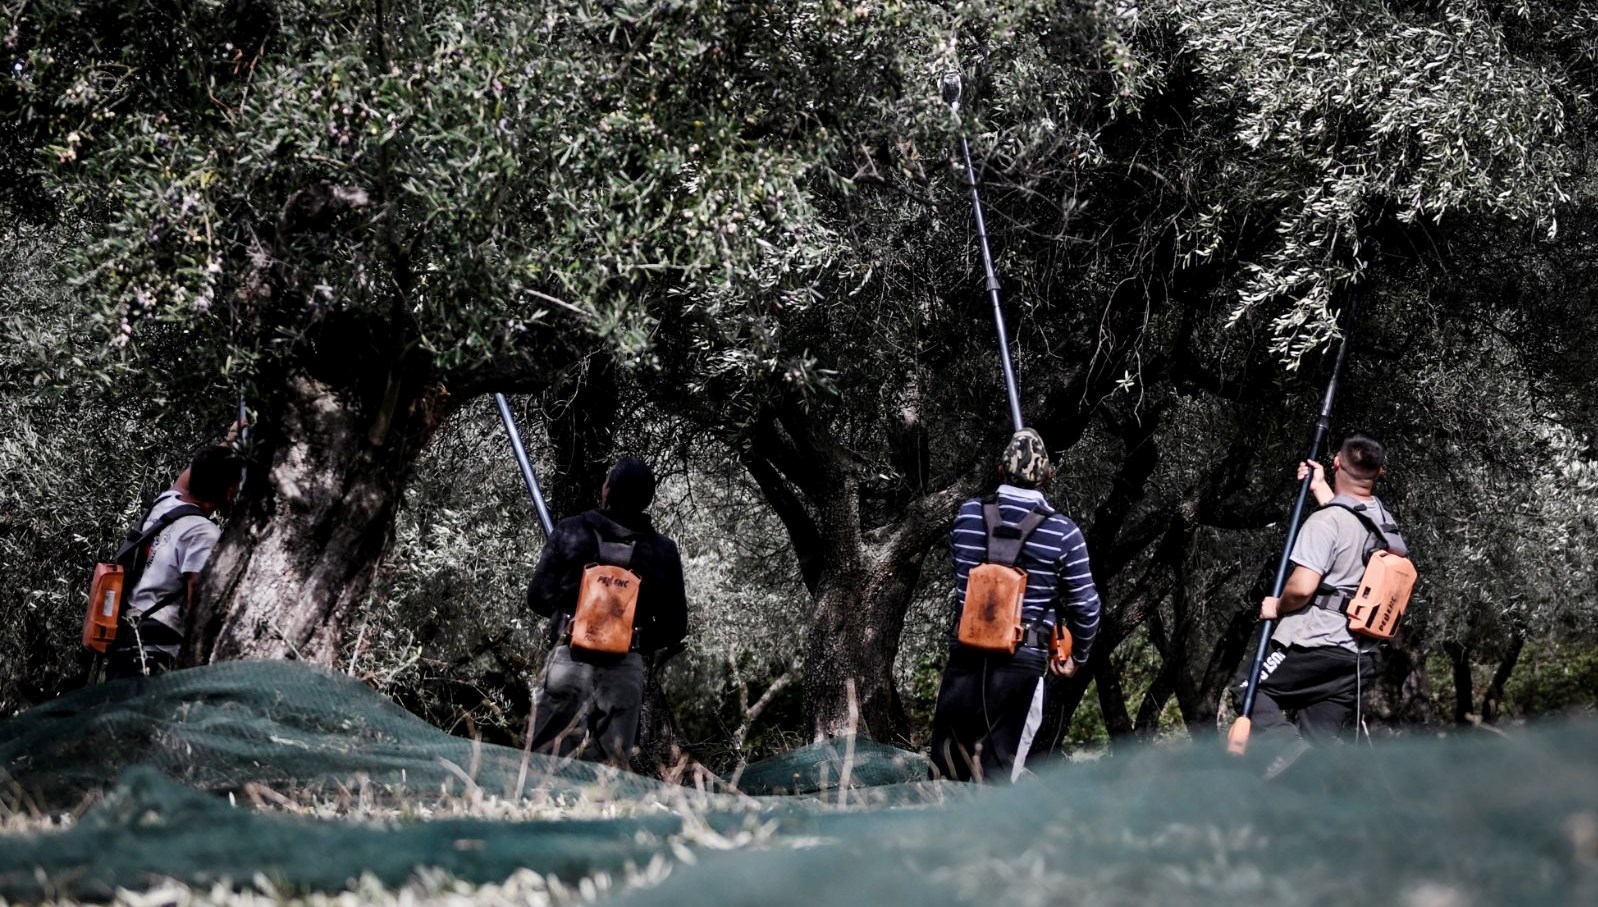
point(374, 213)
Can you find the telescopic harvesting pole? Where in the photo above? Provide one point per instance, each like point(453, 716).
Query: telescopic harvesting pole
point(526, 466)
point(951, 96)
point(1237, 736)
point(244, 439)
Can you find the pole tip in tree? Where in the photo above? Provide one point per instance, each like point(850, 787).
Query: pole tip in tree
point(951, 88)
point(1237, 737)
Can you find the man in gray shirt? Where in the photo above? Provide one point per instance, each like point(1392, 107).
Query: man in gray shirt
point(155, 622)
point(1316, 667)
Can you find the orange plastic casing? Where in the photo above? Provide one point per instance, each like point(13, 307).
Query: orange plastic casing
point(105, 607)
point(1060, 651)
point(606, 602)
point(1382, 596)
point(991, 619)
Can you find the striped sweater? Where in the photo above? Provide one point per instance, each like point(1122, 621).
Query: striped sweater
point(1055, 559)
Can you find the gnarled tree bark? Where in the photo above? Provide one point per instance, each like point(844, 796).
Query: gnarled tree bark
point(285, 577)
point(1492, 700)
point(1464, 683)
point(860, 580)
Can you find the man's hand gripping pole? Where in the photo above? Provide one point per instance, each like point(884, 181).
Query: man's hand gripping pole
point(1237, 736)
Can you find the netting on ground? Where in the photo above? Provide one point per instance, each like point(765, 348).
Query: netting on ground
point(277, 724)
point(1482, 820)
point(819, 767)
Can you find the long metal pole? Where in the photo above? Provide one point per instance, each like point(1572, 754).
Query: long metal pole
point(951, 94)
point(526, 465)
point(1237, 737)
point(244, 441)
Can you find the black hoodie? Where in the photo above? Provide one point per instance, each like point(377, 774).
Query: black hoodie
point(662, 613)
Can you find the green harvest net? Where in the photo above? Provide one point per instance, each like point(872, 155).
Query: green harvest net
point(173, 765)
point(820, 767)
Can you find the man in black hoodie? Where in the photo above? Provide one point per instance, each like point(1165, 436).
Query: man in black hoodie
point(588, 706)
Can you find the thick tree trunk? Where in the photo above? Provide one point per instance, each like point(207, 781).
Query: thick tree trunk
point(856, 622)
point(1112, 699)
point(1400, 693)
point(582, 432)
point(1492, 700)
point(1226, 658)
point(287, 574)
point(1464, 683)
point(1160, 691)
point(857, 612)
point(659, 751)
point(861, 582)
point(1062, 696)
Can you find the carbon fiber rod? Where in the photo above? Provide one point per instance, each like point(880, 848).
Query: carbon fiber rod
point(1300, 503)
point(951, 95)
point(526, 465)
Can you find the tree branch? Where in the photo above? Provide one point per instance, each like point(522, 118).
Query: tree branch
point(802, 530)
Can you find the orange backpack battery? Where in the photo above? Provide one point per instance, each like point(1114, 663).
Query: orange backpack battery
point(1382, 596)
point(607, 602)
point(990, 621)
point(1376, 607)
point(113, 582)
point(105, 607)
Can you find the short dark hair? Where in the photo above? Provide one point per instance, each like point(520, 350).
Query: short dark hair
point(1363, 456)
point(632, 486)
point(213, 472)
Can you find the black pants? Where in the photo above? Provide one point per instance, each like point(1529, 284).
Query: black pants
point(1308, 692)
point(589, 705)
point(149, 650)
point(982, 711)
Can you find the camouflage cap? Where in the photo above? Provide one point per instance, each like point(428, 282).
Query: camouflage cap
point(1026, 460)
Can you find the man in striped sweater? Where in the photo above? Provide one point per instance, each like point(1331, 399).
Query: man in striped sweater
point(991, 703)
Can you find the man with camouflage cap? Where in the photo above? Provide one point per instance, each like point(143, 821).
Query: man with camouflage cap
point(991, 703)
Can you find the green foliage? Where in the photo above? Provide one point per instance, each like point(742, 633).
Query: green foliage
point(1345, 114)
point(751, 207)
point(1087, 731)
point(461, 172)
point(447, 630)
point(77, 457)
point(1554, 678)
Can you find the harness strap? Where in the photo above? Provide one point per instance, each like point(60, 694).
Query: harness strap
point(145, 538)
point(616, 554)
point(137, 539)
point(616, 542)
point(1038, 636)
point(1004, 540)
point(1386, 534)
point(1331, 599)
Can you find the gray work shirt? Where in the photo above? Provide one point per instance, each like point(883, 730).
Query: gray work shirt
point(180, 548)
point(1332, 543)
